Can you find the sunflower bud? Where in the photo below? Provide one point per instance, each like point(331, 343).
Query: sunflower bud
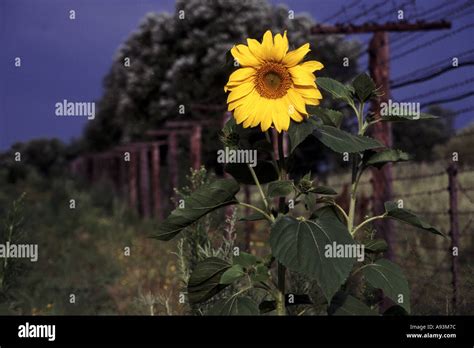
point(230, 139)
point(305, 185)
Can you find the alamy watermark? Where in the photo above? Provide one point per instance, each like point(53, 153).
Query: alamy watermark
point(228, 155)
point(336, 250)
point(67, 108)
point(400, 109)
point(19, 251)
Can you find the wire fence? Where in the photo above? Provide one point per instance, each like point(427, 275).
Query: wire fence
point(444, 198)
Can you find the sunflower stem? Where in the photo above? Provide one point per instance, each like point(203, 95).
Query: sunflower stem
point(257, 182)
point(281, 310)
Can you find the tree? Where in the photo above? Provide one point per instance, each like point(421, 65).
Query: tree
point(180, 59)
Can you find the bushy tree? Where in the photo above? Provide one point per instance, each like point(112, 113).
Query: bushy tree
point(180, 59)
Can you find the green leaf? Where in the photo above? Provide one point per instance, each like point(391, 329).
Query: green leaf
point(402, 118)
point(310, 201)
point(395, 311)
point(232, 274)
point(329, 212)
point(235, 305)
point(376, 246)
point(364, 87)
point(301, 245)
point(253, 217)
point(204, 200)
point(341, 141)
point(298, 132)
point(379, 159)
point(245, 259)
point(205, 279)
point(260, 274)
point(353, 306)
point(280, 188)
point(324, 190)
point(264, 170)
point(384, 274)
point(409, 217)
point(329, 117)
point(335, 88)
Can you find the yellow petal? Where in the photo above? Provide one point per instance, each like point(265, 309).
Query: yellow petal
point(302, 76)
point(244, 57)
point(280, 47)
point(240, 91)
point(256, 116)
point(267, 45)
point(241, 74)
point(309, 92)
point(312, 101)
point(297, 101)
point(240, 115)
point(294, 57)
point(282, 114)
point(249, 108)
point(296, 116)
point(256, 48)
point(312, 65)
point(276, 119)
point(264, 115)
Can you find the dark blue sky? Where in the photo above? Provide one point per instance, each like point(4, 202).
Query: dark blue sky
point(67, 59)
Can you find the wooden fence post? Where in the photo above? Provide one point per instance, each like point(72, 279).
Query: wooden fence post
point(132, 180)
point(454, 232)
point(155, 180)
point(173, 161)
point(196, 147)
point(144, 182)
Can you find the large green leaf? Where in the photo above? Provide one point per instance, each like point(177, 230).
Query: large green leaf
point(364, 87)
point(376, 246)
point(409, 217)
point(342, 141)
point(245, 259)
point(232, 274)
point(264, 170)
point(298, 132)
point(201, 202)
point(324, 190)
point(379, 159)
point(402, 118)
point(205, 279)
point(335, 88)
point(353, 306)
point(384, 274)
point(280, 188)
point(300, 245)
point(235, 305)
point(329, 117)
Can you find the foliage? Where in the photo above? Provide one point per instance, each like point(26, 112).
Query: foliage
point(320, 244)
point(177, 62)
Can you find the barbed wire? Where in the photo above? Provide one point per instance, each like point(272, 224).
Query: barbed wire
point(429, 192)
point(427, 212)
point(465, 191)
point(448, 99)
point(341, 10)
point(431, 175)
point(442, 89)
point(430, 69)
point(412, 36)
point(431, 42)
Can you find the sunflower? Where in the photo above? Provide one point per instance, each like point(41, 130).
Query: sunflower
point(273, 85)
